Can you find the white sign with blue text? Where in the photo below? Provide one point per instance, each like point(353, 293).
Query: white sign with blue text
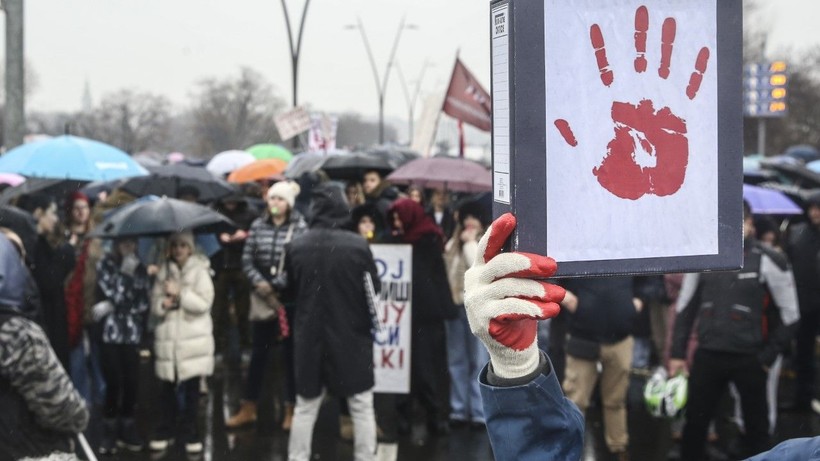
point(391, 346)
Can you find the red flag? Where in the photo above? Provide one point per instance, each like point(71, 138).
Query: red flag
point(466, 100)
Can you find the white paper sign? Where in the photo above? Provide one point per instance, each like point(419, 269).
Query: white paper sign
point(292, 123)
point(391, 348)
point(632, 129)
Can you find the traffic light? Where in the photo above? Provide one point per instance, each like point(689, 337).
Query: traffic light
point(765, 89)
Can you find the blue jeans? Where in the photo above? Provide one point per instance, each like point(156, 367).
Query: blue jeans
point(466, 356)
point(85, 366)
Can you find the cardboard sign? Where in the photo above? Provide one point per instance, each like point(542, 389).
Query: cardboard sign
point(617, 134)
point(391, 347)
point(292, 123)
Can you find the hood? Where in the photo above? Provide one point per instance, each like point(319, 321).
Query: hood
point(197, 261)
point(329, 207)
point(13, 275)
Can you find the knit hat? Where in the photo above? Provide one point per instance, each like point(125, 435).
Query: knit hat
point(286, 190)
point(71, 198)
point(186, 237)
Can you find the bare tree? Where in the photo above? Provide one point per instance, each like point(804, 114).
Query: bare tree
point(133, 121)
point(234, 113)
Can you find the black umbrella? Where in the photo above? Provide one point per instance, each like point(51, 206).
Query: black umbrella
point(395, 156)
point(794, 170)
point(162, 217)
point(57, 188)
point(352, 167)
point(22, 224)
point(169, 179)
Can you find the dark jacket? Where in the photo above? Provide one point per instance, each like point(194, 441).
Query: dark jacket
point(265, 245)
point(432, 299)
point(51, 266)
point(803, 249)
point(230, 254)
point(606, 312)
point(732, 307)
point(130, 295)
point(40, 407)
point(333, 346)
point(381, 198)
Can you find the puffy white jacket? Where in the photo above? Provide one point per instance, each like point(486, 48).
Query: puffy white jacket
point(184, 342)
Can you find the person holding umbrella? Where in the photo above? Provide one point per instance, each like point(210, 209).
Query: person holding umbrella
point(184, 345)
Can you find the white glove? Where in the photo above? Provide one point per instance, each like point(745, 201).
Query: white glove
point(504, 304)
point(101, 309)
point(129, 264)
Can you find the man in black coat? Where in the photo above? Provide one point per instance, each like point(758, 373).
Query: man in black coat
point(333, 346)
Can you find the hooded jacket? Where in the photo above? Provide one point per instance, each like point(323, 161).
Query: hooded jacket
point(333, 347)
point(41, 408)
point(183, 341)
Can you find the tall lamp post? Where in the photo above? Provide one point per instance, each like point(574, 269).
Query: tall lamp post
point(295, 50)
point(381, 83)
point(14, 124)
point(411, 101)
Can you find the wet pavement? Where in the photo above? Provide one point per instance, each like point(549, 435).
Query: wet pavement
point(651, 439)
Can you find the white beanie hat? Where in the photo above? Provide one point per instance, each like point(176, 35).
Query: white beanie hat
point(287, 190)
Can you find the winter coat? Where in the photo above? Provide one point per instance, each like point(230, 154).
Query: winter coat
point(130, 296)
point(432, 299)
point(333, 346)
point(803, 248)
point(265, 244)
point(458, 258)
point(183, 340)
point(229, 257)
point(50, 269)
point(41, 410)
point(606, 311)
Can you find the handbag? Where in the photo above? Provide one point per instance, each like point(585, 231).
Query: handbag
point(261, 309)
point(583, 348)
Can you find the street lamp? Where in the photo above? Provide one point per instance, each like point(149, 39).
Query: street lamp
point(294, 50)
point(381, 84)
point(411, 101)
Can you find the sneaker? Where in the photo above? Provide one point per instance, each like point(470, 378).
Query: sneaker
point(193, 448)
point(108, 442)
point(129, 437)
point(815, 405)
point(160, 444)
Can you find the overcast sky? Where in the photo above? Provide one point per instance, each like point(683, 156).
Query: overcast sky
point(166, 46)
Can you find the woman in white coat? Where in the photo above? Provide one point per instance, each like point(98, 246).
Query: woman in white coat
point(184, 345)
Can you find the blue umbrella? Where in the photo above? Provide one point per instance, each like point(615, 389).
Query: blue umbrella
point(769, 201)
point(70, 157)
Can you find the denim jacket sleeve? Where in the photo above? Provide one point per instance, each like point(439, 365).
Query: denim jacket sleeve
point(532, 421)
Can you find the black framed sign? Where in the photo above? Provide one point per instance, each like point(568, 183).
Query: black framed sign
point(617, 132)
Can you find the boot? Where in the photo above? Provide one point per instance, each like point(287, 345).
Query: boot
point(246, 415)
point(129, 438)
point(346, 428)
point(287, 421)
point(108, 444)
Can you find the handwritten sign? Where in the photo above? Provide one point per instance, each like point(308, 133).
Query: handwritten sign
point(391, 346)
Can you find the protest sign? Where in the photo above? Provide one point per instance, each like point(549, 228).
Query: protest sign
point(617, 132)
point(391, 346)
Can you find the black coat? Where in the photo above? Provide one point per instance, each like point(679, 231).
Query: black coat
point(51, 267)
point(605, 311)
point(333, 346)
point(432, 299)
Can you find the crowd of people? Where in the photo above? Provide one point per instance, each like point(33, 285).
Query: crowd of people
point(288, 280)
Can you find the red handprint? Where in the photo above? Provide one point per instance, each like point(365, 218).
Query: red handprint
point(643, 135)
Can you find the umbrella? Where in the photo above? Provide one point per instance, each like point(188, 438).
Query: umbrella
point(395, 156)
point(454, 174)
point(11, 179)
point(265, 151)
point(161, 217)
point(167, 180)
point(803, 152)
point(354, 166)
point(57, 188)
point(70, 157)
point(148, 158)
point(228, 161)
point(175, 157)
point(793, 169)
point(309, 162)
point(261, 169)
point(769, 201)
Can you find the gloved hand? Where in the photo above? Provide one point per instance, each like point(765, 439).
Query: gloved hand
point(101, 309)
point(504, 304)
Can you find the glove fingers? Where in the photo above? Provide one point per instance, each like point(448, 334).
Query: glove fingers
point(493, 240)
point(521, 288)
point(518, 327)
point(518, 265)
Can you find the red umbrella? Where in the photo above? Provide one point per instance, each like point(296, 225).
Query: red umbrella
point(453, 174)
